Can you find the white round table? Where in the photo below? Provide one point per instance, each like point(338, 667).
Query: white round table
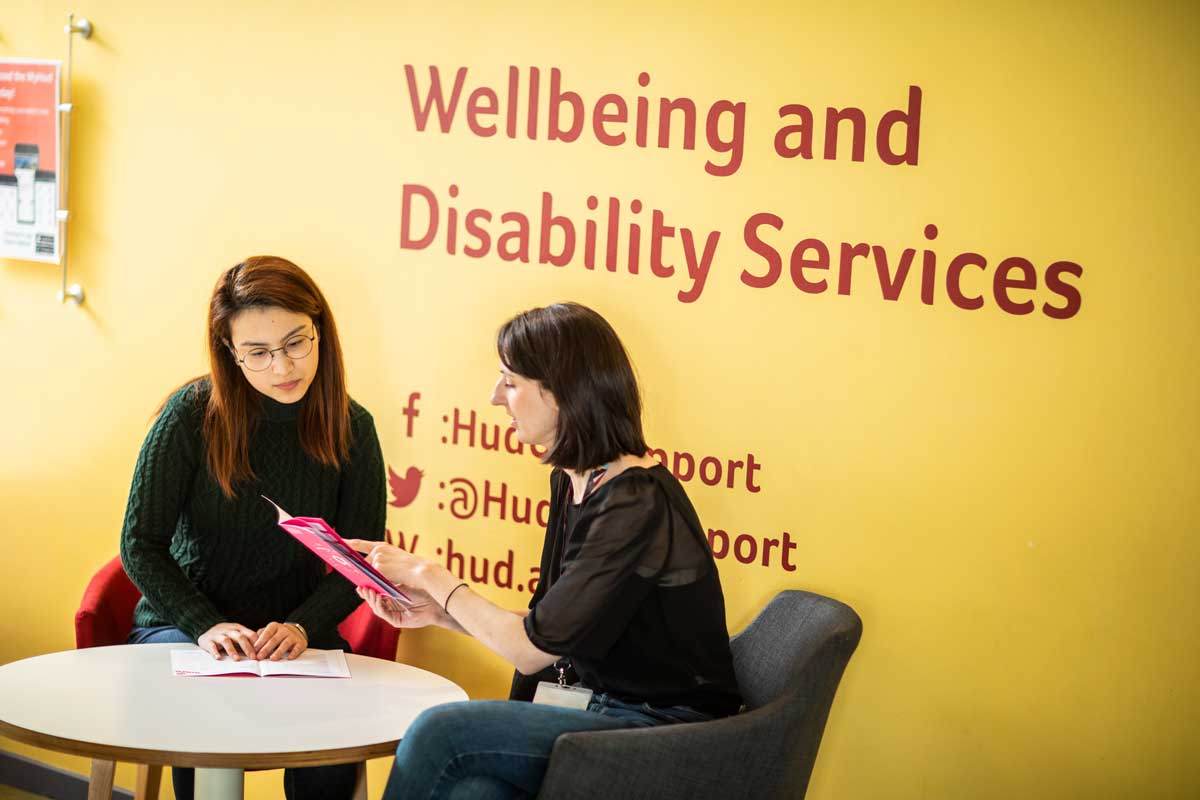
point(124, 704)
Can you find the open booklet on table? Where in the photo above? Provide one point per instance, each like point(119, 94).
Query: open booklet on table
point(319, 536)
point(311, 663)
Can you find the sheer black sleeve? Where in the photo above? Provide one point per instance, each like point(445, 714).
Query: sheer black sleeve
point(610, 560)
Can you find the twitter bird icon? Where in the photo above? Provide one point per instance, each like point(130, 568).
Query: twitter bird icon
point(404, 490)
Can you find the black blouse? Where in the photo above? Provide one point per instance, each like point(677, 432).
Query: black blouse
point(632, 596)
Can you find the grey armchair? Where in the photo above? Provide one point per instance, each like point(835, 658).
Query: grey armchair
point(788, 660)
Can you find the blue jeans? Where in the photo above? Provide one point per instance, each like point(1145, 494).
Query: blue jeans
point(299, 783)
point(499, 749)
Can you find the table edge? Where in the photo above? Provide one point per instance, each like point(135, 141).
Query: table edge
point(176, 758)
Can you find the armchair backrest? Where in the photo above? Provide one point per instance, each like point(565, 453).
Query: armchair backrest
point(105, 617)
point(789, 661)
point(368, 635)
point(105, 614)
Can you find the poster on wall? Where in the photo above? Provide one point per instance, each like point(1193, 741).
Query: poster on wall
point(29, 159)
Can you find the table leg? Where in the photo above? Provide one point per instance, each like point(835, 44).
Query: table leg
point(101, 785)
point(220, 784)
point(360, 781)
point(149, 779)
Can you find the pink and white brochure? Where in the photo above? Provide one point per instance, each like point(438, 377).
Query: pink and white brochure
point(317, 535)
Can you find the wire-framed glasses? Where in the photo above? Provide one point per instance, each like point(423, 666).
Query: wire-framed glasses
point(261, 358)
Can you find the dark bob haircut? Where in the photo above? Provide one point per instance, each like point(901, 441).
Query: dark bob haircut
point(575, 355)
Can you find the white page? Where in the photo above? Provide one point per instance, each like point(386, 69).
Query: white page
point(312, 663)
point(190, 663)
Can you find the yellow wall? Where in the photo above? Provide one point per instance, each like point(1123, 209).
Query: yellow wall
point(1010, 502)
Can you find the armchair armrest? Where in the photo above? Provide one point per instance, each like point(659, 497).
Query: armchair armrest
point(734, 757)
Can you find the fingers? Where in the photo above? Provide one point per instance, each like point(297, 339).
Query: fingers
point(371, 597)
point(392, 611)
point(225, 647)
point(286, 641)
point(244, 638)
point(376, 557)
point(298, 648)
point(207, 642)
point(278, 648)
point(229, 639)
point(294, 645)
point(275, 641)
point(265, 635)
point(376, 603)
point(374, 552)
point(367, 596)
point(381, 605)
point(237, 643)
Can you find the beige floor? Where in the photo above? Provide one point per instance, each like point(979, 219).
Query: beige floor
point(9, 793)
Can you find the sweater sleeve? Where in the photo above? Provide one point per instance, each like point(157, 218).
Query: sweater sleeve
point(162, 478)
point(362, 514)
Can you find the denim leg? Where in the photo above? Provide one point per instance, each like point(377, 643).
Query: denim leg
point(479, 787)
point(644, 715)
point(161, 634)
point(483, 749)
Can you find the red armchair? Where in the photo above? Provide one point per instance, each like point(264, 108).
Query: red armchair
point(105, 614)
point(105, 617)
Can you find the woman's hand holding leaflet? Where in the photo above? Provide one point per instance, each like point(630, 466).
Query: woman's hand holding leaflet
point(404, 570)
point(423, 612)
point(500, 630)
point(397, 565)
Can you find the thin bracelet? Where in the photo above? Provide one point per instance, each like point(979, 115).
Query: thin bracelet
point(300, 628)
point(446, 605)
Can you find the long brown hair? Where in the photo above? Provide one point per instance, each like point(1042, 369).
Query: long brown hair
point(234, 405)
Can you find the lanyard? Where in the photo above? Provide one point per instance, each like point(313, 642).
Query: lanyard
point(593, 480)
point(567, 494)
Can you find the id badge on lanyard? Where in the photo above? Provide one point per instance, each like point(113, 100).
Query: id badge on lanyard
point(561, 695)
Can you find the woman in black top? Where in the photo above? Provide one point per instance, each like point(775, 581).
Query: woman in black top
point(629, 598)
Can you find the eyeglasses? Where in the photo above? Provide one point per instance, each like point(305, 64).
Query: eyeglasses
point(260, 358)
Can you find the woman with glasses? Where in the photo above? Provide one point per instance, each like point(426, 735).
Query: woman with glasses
point(629, 601)
point(271, 418)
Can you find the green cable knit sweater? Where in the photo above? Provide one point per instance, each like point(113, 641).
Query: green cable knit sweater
point(200, 558)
